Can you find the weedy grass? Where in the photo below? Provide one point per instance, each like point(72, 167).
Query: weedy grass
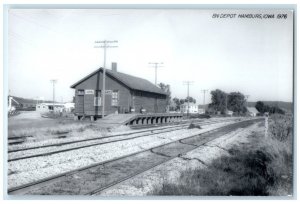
point(192, 126)
point(60, 128)
point(261, 167)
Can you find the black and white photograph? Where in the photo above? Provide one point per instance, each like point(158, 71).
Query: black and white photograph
point(149, 102)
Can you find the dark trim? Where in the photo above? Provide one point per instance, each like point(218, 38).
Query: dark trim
point(85, 78)
point(115, 78)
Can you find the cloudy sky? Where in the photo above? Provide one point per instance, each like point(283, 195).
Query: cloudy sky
point(253, 56)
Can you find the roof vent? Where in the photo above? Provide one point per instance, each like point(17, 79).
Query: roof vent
point(114, 67)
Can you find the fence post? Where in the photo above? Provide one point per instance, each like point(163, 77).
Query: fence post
point(266, 126)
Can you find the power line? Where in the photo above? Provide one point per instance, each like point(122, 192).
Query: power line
point(156, 65)
point(105, 45)
point(188, 83)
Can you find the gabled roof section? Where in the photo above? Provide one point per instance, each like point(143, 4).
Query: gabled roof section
point(252, 109)
point(134, 83)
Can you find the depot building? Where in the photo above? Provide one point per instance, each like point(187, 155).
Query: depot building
point(123, 94)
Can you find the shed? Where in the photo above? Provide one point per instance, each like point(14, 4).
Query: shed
point(252, 111)
point(189, 108)
point(49, 107)
point(123, 94)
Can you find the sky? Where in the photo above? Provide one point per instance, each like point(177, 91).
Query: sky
point(251, 55)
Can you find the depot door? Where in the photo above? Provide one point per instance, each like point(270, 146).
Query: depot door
point(79, 104)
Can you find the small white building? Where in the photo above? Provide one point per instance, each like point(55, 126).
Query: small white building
point(48, 107)
point(192, 107)
point(229, 112)
point(201, 110)
point(69, 107)
point(252, 111)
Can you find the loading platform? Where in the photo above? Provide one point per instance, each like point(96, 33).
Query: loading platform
point(140, 119)
point(154, 118)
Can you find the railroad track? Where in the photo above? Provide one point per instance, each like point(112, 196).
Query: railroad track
point(160, 127)
point(109, 139)
point(95, 178)
point(90, 139)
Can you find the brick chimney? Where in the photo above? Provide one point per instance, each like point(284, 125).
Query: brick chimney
point(114, 66)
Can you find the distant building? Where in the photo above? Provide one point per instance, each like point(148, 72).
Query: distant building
point(69, 107)
point(252, 111)
point(202, 108)
point(58, 107)
point(191, 108)
point(229, 112)
point(48, 107)
point(23, 104)
point(123, 94)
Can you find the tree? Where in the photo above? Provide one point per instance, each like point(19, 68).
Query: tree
point(177, 103)
point(181, 101)
point(236, 102)
point(218, 101)
point(260, 106)
point(275, 109)
point(190, 99)
point(166, 88)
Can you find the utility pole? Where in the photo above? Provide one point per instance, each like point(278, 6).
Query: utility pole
point(226, 103)
point(188, 83)
point(53, 81)
point(105, 45)
point(204, 91)
point(156, 65)
point(247, 96)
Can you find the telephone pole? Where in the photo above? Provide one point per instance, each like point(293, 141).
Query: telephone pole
point(204, 91)
point(53, 81)
point(104, 45)
point(247, 96)
point(188, 83)
point(226, 103)
point(156, 65)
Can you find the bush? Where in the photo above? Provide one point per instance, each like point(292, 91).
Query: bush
point(260, 168)
point(280, 127)
point(243, 174)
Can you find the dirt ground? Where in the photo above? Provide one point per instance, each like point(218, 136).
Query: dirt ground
point(33, 119)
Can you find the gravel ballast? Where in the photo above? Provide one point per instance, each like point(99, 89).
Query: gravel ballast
point(33, 169)
point(143, 184)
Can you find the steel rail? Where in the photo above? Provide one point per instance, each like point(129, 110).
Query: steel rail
point(111, 136)
point(72, 172)
point(170, 129)
point(169, 158)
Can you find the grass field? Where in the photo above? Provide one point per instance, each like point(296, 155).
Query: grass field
point(261, 167)
point(32, 124)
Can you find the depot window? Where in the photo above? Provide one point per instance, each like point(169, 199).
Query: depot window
point(97, 99)
point(80, 92)
point(115, 98)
